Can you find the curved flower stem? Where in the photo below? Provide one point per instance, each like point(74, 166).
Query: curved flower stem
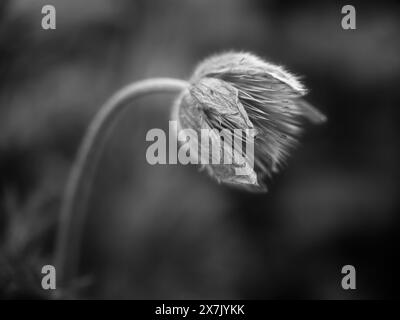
point(73, 213)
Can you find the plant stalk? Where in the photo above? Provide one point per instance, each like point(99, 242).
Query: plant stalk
point(74, 201)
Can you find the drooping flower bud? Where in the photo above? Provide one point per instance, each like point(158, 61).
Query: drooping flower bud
point(258, 102)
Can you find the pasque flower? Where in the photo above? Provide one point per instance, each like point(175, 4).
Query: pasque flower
point(237, 90)
point(234, 91)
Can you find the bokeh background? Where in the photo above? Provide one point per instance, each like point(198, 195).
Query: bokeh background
point(170, 231)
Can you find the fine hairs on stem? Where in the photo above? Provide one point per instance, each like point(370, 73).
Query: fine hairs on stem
point(73, 207)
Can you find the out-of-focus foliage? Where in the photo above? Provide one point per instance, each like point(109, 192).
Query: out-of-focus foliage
point(167, 231)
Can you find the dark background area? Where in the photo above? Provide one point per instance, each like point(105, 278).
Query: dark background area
point(170, 231)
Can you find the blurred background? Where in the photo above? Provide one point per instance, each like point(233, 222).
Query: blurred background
point(170, 232)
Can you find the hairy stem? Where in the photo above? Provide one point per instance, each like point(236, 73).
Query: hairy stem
point(73, 213)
